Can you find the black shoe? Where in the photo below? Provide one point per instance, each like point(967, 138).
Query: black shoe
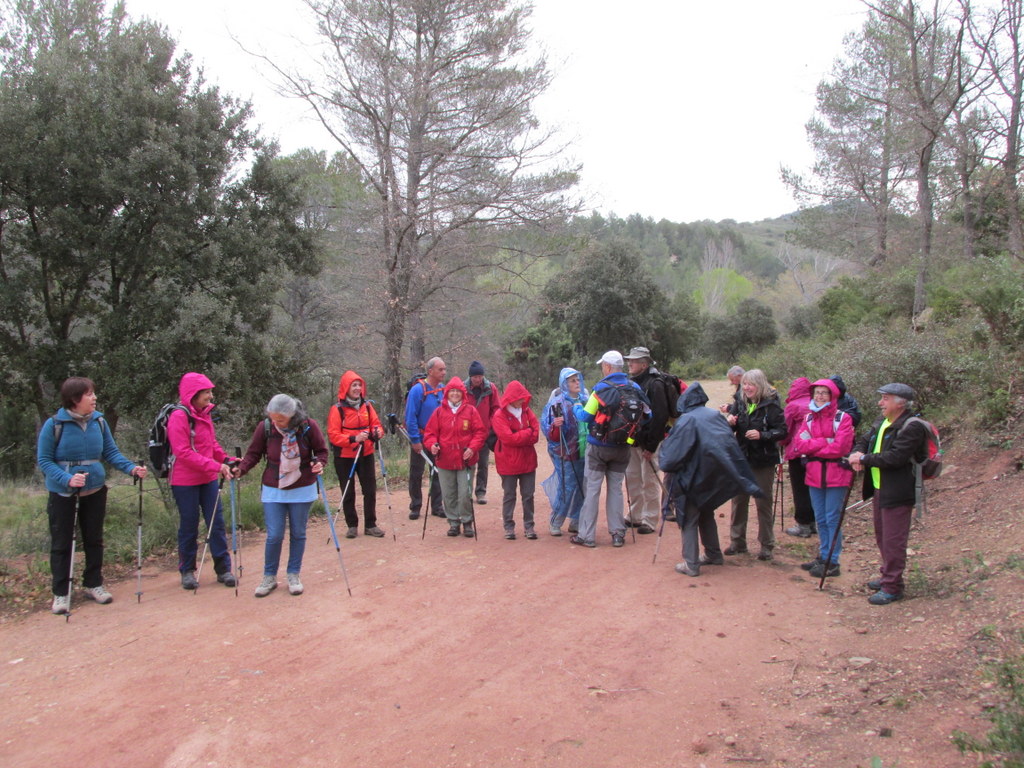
point(188, 580)
point(467, 530)
point(884, 598)
point(644, 528)
point(531, 535)
point(618, 540)
point(670, 518)
point(414, 515)
point(510, 536)
point(811, 564)
point(481, 499)
point(631, 524)
point(573, 527)
point(435, 513)
point(581, 542)
point(705, 560)
point(734, 551)
point(227, 579)
point(453, 531)
point(819, 570)
point(764, 554)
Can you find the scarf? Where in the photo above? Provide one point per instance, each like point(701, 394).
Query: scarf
point(289, 469)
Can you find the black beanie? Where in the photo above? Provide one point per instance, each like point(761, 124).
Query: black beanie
point(476, 368)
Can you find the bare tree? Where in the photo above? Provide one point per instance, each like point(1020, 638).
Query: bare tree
point(433, 100)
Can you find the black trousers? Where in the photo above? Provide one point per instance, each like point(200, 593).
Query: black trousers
point(803, 512)
point(92, 510)
point(366, 471)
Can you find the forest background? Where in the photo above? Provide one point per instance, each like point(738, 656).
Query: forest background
point(176, 238)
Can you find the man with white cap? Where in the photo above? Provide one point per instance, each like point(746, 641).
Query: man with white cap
point(888, 454)
point(613, 412)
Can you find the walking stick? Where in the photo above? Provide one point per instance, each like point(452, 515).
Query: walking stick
point(835, 537)
point(334, 532)
point(778, 508)
point(71, 568)
point(430, 483)
point(661, 528)
point(138, 539)
point(387, 493)
point(233, 486)
point(351, 471)
point(629, 506)
point(209, 529)
point(469, 490)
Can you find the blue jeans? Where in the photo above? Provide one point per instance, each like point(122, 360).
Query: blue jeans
point(190, 499)
point(828, 506)
point(274, 514)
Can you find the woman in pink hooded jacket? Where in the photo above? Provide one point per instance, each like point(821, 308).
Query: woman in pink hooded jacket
point(197, 464)
point(515, 455)
point(825, 440)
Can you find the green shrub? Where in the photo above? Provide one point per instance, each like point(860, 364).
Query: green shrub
point(1003, 745)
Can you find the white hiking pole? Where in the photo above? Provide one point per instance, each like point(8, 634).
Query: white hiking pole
point(71, 568)
point(387, 493)
point(235, 548)
point(209, 532)
point(138, 563)
point(334, 532)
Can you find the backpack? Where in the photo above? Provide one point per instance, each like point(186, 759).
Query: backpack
point(931, 466)
point(58, 430)
point(674, 388)
point(620, 411)
point(160, 455)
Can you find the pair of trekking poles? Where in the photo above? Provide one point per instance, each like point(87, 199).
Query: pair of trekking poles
point(236, 550)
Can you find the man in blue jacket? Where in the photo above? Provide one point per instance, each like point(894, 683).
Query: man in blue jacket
point(423, 399)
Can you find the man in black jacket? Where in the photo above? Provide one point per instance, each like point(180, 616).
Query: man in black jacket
point(642, 484)
point(888, 454)
point(704, 469)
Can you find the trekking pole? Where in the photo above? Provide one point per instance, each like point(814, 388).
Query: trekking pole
point(778, 508)
point(138, 539)
point(629, 507)
point(351, 471)
point(71, 568)
point(430, 485)
point(469, 490)
point(209, 529)
point(334, 532)
point(835, 537)
point(387, 493)
point(661, 529)
point(235, 550)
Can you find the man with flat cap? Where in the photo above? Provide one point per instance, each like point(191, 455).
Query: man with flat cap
point(643, 486)
point(887, 454)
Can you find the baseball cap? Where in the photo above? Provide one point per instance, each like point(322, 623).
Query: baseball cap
point(612, 357)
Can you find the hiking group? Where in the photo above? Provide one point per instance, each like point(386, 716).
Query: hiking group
point(618, 434)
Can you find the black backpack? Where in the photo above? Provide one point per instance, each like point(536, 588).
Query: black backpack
point(620, 411)
point(160, 455)
point(674, 387)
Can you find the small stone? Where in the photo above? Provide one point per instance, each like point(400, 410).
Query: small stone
point(859, 661)
point(699, 746)
point(918, 619)
point(826, 710)
point(885, 732)
point(730, 741)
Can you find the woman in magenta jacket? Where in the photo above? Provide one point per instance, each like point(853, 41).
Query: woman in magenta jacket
point(454, 435)
point(198, 463)
point(515, 455)
point(824, 440)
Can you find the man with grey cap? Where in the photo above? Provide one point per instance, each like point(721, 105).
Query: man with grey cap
point(606, 457)
point(643, 488)
point(888, 453)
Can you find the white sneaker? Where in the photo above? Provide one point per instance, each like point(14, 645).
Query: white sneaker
point(268, 585)
point(294, 584)
point(99, 594)
point(61, 605)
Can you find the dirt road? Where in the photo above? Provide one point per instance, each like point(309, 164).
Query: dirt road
point(454, 652)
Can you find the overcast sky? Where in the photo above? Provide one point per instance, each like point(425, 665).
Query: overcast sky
point(677, 109)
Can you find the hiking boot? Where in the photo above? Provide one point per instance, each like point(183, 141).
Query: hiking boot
point(294, 584)
point(686, 570)
point(188, 580)
point(376, 532)
point(438, 513)
point(510, 535)
point(581, 542)
point(268, 585)
point(764, 554)
point(811, 564)
point(644, 528)
point(670, 518)
point(61, 605)
point(352, 532)
point(875, 585)
point(99, 594)
point(467, 530)
point(453, 530)
point(819, 570)
point(531, 535)
point(705, 560)
point(414, 515)
point(554, 531)
point(227, 579)
point(630, 524)
point(732, 550)
point(884, 598)
point(481, 499)
point(618, 540)
point(574, 526)
point(803, 531)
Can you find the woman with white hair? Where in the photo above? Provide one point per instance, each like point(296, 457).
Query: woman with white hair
point(295, 452)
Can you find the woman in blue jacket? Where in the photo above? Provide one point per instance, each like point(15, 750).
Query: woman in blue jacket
point(72, 447)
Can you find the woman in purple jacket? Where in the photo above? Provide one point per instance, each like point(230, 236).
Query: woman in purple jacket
point(198, 462)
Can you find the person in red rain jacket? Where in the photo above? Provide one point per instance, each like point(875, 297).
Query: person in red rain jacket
point(353, 424)
point(454, 436)
point(515, 455)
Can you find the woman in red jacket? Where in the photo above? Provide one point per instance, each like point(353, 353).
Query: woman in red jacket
point(351, 424)
point(515, 455)
point(454, 435)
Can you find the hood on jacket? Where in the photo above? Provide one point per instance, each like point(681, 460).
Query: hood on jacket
point(565, 374)
point(839, 383)
point(190, 384)
point(693, 397)
point(455, 383)
point(346, 381)
point(799, 389)
point(829, 410)
point(516, 391)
